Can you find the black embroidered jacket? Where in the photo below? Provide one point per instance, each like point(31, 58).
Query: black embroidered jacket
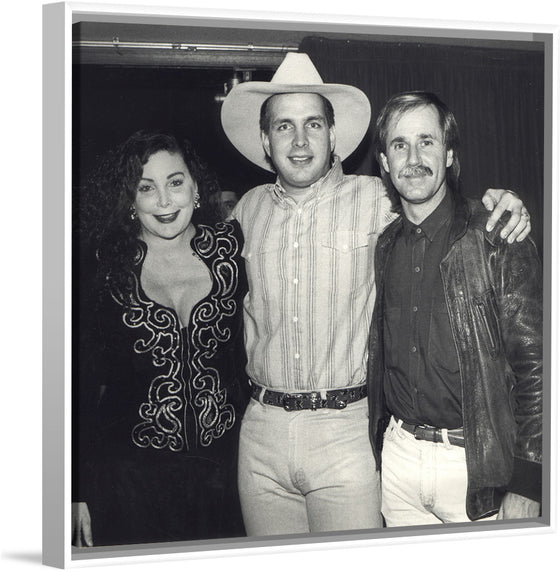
point(145, 384)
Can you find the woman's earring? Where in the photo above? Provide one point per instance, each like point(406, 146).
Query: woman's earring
point(133, 215)
point(197, 200)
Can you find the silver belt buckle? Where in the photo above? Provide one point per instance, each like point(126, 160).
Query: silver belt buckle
point(315, 400)
point(290, 402)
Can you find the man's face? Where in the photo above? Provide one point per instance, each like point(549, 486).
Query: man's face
point(416, 157)
point(229, 200)
point(299, 142)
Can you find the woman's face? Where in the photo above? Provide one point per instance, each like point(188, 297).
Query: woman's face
point(165, 196)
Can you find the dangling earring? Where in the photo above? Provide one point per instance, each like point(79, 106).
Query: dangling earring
point(197, 200)
point(133, 215)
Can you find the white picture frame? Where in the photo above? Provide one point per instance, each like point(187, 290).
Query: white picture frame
point(57, 46)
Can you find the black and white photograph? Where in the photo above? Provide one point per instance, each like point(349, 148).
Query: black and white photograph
point(310, 269)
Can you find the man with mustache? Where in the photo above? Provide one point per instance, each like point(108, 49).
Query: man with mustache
point(306, 463)
point(455, 358)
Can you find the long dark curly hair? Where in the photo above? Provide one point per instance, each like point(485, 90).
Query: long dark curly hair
point(105, 201)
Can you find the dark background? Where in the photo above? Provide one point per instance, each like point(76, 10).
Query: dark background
point(495, 88)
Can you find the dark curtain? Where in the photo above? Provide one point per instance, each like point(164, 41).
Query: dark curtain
point(496, 94)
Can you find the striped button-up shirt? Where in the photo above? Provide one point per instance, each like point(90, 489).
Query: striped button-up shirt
point(310, 267)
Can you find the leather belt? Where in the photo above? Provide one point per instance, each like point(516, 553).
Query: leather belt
point(309, 400)
point(432, 434)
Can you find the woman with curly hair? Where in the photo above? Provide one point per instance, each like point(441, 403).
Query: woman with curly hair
point(159, 376)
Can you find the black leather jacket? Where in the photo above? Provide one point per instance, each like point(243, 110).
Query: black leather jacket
point(494, 297)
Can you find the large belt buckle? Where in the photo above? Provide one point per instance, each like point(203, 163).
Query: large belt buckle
point(293, 401)
point(315, 400)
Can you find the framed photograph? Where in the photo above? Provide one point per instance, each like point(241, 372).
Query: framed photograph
point(140, 424)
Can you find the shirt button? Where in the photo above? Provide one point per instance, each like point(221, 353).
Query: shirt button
point(296, 355)
point(418, 230)
point(413, 349)
point(296, 281)
point(296, 244)
point(414, 308)
point(417, 269)
point(295, 318)
point(299, 211)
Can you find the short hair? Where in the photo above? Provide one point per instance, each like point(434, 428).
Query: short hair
point(399, 104)
point(264, 120)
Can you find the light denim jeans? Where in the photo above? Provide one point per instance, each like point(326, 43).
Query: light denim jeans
point(422, 482)
point(307, 471)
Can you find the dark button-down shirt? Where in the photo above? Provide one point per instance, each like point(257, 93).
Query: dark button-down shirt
point(422, 381)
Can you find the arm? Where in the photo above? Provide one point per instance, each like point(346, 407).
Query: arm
point(499, 201)
point(519, 286)
point(85, 396)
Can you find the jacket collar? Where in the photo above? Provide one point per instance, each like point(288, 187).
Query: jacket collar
point(471, 213)
point(466, 213)
point(461, 216)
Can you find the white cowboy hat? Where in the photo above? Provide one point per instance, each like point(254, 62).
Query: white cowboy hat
point(296, 74)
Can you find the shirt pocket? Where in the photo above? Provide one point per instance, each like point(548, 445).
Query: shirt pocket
point(263, 265)
point(345, 261)
point(344, 241)
point(259, 252)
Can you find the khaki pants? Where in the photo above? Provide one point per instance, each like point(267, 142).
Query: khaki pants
point(307, 471)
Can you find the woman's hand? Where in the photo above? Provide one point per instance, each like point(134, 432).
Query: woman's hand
point(81, 525)
point(515, 506)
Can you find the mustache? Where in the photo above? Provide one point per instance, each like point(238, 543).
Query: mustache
point(419, 170)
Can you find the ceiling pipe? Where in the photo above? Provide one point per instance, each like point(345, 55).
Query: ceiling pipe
point(115, 43)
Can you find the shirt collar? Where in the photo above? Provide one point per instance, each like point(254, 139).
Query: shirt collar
point(328, 182)
point(434, 222)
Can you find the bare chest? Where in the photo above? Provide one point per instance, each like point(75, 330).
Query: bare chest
point(178, 283)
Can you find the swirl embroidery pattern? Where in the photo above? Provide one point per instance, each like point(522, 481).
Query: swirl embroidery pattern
point(214, 414)
point(163, 415)
point(161, 426)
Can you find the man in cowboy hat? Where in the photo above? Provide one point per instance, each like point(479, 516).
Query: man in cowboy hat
point(305, 460)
